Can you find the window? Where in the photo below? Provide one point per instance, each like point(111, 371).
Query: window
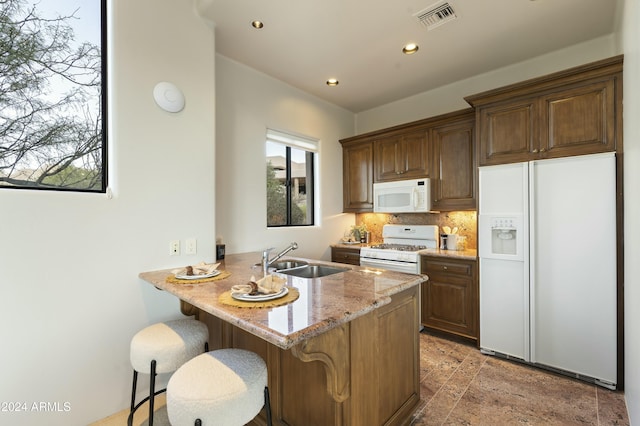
point(290, 179)
point(52, 95)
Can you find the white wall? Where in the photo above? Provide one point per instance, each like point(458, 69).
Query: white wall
point(69, 292)
point(249, 102)
point(451, 97)
point(631, 44)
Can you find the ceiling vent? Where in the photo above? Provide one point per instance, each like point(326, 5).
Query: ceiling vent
point(433, 17)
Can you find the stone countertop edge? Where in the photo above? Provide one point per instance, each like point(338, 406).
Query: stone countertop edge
point(351, 301)
point(356, 245)
point(469, 254)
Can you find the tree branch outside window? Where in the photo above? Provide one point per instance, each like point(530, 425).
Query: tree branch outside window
point(52, 86)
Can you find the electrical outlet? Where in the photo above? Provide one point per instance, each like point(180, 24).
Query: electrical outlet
point(174, 247)
point(191, 246)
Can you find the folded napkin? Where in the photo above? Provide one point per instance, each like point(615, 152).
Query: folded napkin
point(201, 268)
point(267, 285)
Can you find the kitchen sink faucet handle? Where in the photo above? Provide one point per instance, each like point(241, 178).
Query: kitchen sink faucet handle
point(265, 260)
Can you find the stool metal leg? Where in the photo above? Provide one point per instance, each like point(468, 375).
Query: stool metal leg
point(151, 398)
point(133, 398)
point(133, 389)
point(152, 389)
point(267, 405)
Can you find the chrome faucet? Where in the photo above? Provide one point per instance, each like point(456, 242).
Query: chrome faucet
point(266, 262)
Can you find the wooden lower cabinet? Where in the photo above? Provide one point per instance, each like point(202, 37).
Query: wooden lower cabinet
point(346, 255)
point(450, 298)
point(365, 372)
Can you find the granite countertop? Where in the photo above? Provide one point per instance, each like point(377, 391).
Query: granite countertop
point(324, 303)
point(468, 254)
point(353, 246)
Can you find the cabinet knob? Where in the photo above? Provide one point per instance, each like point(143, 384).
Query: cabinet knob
point(445, 268)
point(535, 150)
point(542, 149)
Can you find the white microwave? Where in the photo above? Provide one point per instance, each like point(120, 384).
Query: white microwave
point(403, 196)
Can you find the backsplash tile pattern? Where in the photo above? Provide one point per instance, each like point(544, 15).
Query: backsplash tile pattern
point(466, 221)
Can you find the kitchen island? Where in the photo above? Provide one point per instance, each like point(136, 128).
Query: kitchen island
point(345, 352)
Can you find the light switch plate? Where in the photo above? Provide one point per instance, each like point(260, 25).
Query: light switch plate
point(191, 246)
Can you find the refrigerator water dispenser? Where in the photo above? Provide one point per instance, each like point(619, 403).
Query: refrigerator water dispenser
point(503, 237)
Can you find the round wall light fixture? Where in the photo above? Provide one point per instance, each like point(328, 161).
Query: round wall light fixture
point(168, 97)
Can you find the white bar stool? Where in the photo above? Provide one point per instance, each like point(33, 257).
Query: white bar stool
point(225, 387)
point(163, 348)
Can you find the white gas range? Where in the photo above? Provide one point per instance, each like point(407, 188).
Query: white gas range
point(401, 248)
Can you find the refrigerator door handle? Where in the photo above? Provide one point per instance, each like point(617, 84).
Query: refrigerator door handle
point(530, 264)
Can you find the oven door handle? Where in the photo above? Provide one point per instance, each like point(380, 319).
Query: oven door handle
point(408, 267)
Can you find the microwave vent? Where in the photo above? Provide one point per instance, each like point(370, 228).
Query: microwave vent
point(433, 17)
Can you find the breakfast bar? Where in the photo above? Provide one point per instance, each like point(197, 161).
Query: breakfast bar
point(341, 349)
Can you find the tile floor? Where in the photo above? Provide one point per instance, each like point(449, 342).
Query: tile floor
point(461, 386)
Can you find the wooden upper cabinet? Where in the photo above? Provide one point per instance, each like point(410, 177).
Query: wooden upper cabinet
point(508, 133)
point(357, 175)
point(441, 148)
point(403, 156)
point(579, 120)
point(572, 112)
point(453, 181)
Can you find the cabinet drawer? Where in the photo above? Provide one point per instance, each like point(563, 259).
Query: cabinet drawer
point(446, 266)
point(342, 255)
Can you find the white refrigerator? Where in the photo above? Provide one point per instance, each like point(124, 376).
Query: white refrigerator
point(547, 249)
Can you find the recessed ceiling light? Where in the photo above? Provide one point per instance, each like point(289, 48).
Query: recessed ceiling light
point(410, 49)
point(257, 24)
point(332, 82)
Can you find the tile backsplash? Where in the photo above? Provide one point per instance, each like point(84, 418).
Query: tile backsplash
point(466, 221)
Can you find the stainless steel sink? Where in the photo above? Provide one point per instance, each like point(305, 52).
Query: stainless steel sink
point(288, 264)
point(314, 271)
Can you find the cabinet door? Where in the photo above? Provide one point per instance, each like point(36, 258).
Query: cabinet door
point(453, 179)
point(579, 120)
point(450, 296)
point(402, 156)
point(388, 154)
point(508, 132)
point(357, 174)
point(396, 327)
point(415, 159)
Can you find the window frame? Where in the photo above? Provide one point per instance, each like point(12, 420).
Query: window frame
point(104, 117)
point(310, 147)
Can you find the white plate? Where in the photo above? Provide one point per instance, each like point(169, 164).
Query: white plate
point(197, 277)
point(260, 297)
